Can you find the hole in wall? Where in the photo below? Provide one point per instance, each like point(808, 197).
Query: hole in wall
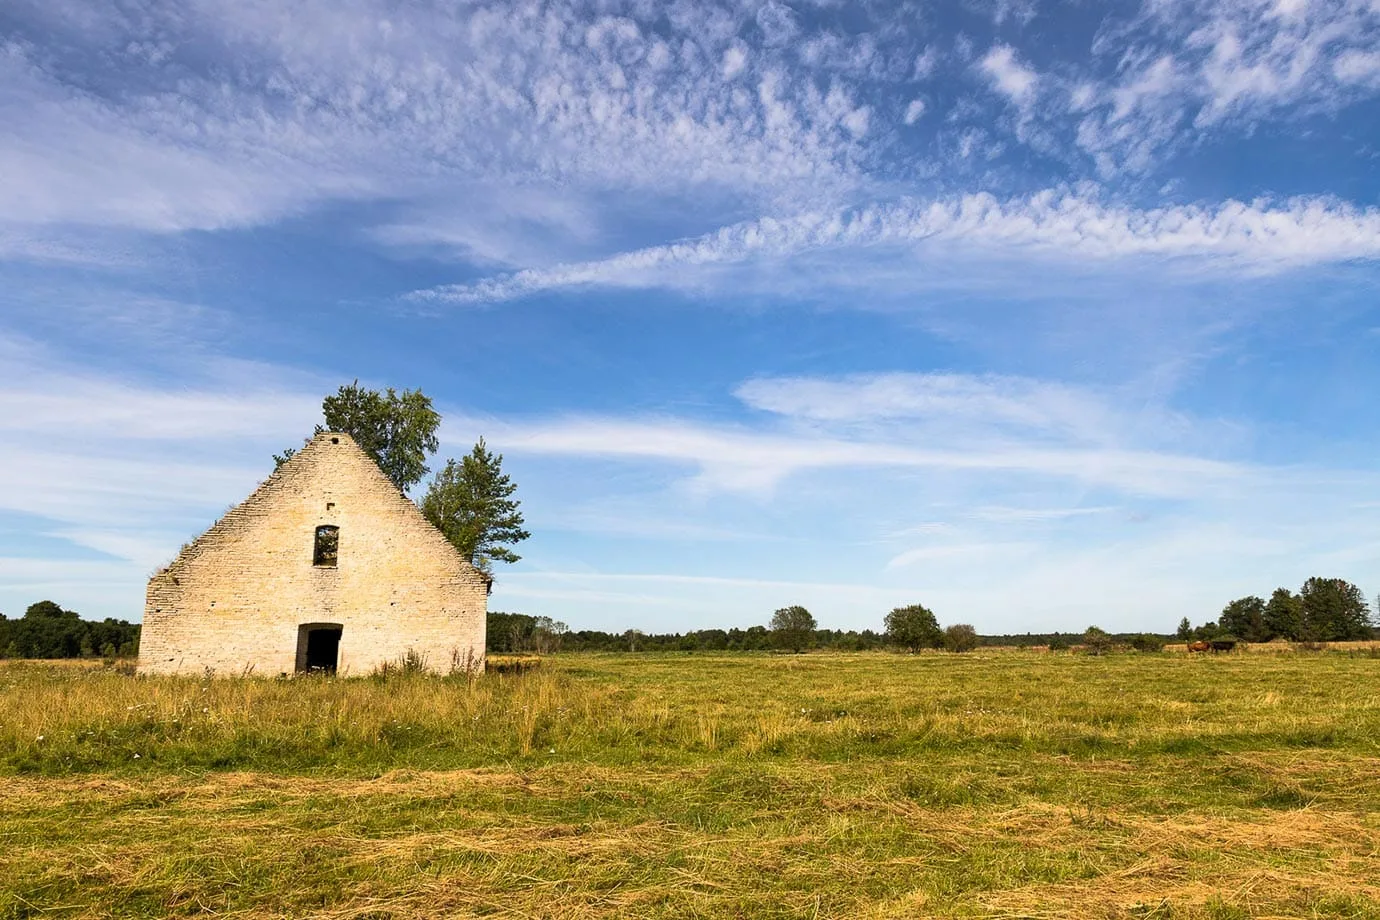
point(318, 647)
point(335, 440)
point(327, 547)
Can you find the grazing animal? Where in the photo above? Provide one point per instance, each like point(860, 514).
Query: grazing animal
point(1200, 646)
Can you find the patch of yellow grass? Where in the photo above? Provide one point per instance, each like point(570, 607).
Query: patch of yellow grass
point(882, 786)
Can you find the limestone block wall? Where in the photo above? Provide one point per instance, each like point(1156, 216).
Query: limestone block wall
point(235, 599)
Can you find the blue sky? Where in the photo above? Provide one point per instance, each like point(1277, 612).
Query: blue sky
point(1041, 315)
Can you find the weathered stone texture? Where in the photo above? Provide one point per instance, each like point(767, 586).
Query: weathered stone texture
point(234, 600)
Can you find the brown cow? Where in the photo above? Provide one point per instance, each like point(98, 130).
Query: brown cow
point(1200, 646)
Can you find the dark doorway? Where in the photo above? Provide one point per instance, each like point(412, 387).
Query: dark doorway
point(318, 647)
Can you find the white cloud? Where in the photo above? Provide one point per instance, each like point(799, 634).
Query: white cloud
point(1361, 67)
point(238, 114)
point(1020, 402)
point(746, 460)
point(110, 409)
point(1009, 75)
point(1060, 226)
point(131, 470)
point(735, 59)
point(777, 22)
point(925, 64)
point(82, 161)
point(1185, 69)
point(247, 113)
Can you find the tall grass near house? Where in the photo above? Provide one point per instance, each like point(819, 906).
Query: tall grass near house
point(990, 784)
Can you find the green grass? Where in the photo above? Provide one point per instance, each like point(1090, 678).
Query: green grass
point(997, 784)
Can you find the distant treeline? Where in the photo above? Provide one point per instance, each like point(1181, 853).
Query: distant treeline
point(1062, 640)
point(1324, 610)
point(517, 632)
point(48, 631)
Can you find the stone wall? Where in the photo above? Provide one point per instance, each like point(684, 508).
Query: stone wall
point(234, 600)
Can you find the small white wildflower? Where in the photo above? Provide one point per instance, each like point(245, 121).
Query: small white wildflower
point(136, 756)
point(40, 737)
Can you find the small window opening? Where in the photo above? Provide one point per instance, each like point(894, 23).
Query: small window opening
point(327, 545)
point(330, 506)
point(335, 440)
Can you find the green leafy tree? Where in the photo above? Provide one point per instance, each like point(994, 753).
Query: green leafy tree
point(914, 627)
point(1245, 619)
point(47, 610)
point(793, 628)
point(1334, 610)
point(472, 503)
point(1096, 641)
point(1284, 614)
point(1147, 642)
point(547, 634)
point(960, 637)
point(1185, 629)
point(1209, 631)
point(397, 429)
point(510, 632)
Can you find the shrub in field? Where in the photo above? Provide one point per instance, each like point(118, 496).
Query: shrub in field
point(960, 637)
point(1096, 641)
point(913, 627)
point(1147, 642)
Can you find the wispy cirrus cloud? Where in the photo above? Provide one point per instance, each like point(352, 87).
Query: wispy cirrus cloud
point(1183, 71)
point(1021, 427)
point(243, 114)
point(489, 123)
point(993, 402)
point(120, 466)
point(1053, 225)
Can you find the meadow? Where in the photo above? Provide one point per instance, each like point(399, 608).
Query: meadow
point(994, 784)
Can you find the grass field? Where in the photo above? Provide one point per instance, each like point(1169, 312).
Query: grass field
point(998, 784)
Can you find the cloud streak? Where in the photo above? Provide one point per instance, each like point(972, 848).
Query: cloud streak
point(1058, 226)
point(741, 460)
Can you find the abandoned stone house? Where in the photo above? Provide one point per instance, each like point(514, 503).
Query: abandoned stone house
point(326, 566)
